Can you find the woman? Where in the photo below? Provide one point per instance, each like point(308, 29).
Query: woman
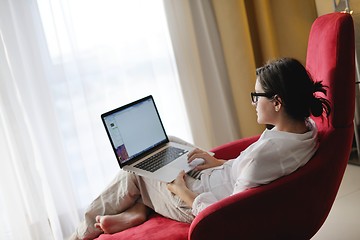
point(284, 98)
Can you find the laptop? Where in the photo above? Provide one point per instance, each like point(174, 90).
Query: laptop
point(140, 143)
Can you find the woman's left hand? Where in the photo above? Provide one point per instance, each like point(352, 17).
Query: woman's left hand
point(178, 185)
point(179, 188)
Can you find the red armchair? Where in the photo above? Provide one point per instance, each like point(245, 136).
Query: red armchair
point(294, 206)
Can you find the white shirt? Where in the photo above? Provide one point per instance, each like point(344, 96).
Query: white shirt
point(274, 155)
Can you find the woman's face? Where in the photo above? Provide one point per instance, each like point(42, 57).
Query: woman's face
point(265, 109)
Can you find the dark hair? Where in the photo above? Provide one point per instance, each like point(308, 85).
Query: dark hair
point(288, 78)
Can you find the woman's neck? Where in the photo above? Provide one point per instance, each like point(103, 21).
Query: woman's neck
point(292, 126)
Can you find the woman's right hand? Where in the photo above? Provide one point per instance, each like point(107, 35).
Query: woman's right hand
point(209, 161)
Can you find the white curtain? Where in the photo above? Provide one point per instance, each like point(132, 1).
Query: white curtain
point(62, 64)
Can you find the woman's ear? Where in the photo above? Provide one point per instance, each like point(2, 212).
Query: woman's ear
point(277, 103)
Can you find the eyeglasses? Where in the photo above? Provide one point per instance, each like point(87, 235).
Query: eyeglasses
point(255, 96)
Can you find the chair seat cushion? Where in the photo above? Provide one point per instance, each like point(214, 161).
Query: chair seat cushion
point(153, 229)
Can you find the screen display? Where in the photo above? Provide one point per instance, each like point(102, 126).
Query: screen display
point(134, 129)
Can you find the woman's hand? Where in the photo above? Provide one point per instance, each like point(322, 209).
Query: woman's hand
point(179, 188)
point(209, 161)
point(178, 185)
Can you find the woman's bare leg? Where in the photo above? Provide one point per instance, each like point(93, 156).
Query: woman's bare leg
point(135, 215)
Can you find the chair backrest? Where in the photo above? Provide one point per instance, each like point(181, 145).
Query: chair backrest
point(331, 59)
point(296, 206)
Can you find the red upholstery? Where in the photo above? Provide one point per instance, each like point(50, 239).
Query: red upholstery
point(157, 227)
point(295, 206)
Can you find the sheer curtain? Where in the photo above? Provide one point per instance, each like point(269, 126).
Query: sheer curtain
point(62, 64)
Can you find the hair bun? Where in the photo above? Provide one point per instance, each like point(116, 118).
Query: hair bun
point(319, 87)
point(316, 107)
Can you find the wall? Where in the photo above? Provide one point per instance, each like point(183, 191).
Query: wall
point(327, 6)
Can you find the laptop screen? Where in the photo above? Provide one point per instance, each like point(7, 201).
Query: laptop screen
point(134, 129)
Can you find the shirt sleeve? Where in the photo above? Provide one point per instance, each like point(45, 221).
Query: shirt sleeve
point(202, 201)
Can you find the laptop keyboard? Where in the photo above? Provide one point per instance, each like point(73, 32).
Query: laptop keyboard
point(160, 159)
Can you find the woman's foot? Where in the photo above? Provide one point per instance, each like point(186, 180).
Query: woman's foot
point(133, 216)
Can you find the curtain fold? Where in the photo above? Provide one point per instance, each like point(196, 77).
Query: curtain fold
point(280, 28)
point(20, 189)
point(22, 182)
point(224, 121)
point(202, 71)
point(234, 28)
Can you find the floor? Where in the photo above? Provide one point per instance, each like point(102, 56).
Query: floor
point(343, 221)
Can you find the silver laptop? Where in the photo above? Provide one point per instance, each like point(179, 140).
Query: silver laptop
point(140, 143)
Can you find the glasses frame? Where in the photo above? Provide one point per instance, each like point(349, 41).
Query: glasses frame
point(255, 96)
